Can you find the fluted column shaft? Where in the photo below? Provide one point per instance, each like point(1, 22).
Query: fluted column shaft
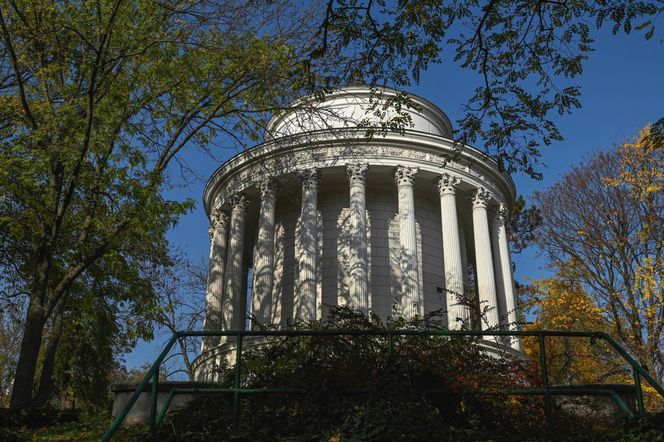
point(359, 265)
point(264, 255)
point(486, 285)
point(496, 222)
point(233, 296)
point(305, 295)
point(457, 309)
point(411, 303)
point(503, 266)
point(215, 283)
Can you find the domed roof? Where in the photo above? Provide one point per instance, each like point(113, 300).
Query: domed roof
point(358, 104)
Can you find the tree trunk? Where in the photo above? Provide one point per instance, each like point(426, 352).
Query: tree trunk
point(185, 358)
point(48, 366)
point(28, 356)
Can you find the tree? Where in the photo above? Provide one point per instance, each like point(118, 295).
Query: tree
point(105, 317)
point(562, 304)
point(603, 227)
point(98, 99)
point(10, 335)
point(523, 224)
point(181, 291)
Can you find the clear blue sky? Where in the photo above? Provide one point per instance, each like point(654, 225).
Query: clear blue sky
point(622, 90)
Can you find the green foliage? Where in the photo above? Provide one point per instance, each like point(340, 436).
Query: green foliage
point(51, 425)
point(523, 223)
point(352, 388)
point(98, 99)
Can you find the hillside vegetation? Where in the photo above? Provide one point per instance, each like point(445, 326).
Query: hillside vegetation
point(351, 388)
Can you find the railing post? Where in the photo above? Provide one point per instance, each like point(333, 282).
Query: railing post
point(236, 384)
point(545, 378)
point(639, 391)
point(643, 372)
point(153, 402)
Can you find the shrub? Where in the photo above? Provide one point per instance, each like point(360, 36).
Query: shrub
point(352, 388)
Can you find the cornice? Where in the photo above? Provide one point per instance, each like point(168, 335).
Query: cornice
point(350, 146)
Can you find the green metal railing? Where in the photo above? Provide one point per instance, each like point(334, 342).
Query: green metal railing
point(157, 417)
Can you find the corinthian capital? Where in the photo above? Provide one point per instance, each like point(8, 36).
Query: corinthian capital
point(310, 177)
point(447, 184)
point(480, 198)
point(268, 185)
point(218, 221)
point(405, 176)
point(357, 173)
point(239, 202)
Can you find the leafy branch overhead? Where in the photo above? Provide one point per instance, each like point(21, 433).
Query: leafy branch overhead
point(523, 54)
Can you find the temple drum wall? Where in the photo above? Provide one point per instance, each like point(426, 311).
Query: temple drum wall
point(383, 251)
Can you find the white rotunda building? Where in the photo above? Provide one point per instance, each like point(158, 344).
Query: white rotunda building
point(321, 214)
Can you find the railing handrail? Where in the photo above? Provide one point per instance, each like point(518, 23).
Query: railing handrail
point(153, 372)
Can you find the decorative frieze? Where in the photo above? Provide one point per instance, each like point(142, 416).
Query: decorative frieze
point(282, 163)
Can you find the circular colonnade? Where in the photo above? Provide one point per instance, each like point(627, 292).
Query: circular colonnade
point(320, 214)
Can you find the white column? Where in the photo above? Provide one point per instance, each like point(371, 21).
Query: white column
point(486, 285)
point(503, 266)
point(305, 294)
point(496, 222)
point(264, 255)
point(233, 296)
point(457, 309)
point(411, 302)
point(359, 266)
point(215, 282)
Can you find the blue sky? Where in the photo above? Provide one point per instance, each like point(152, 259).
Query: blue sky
point(622, 91)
